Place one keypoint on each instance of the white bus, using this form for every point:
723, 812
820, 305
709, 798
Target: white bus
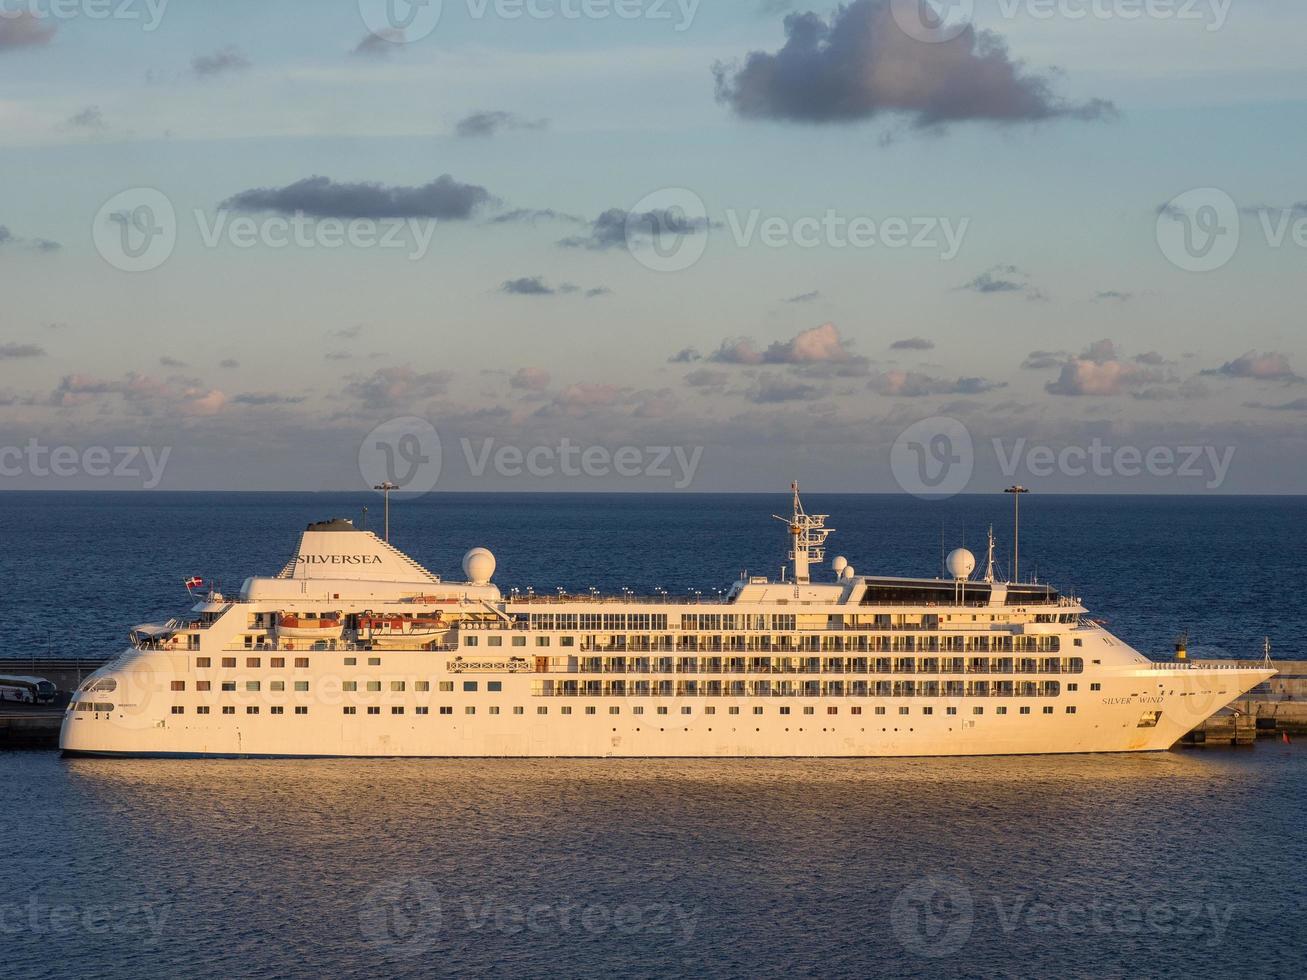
27, 690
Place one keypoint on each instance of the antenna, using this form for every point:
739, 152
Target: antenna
989, 562
808, 532
1016, 492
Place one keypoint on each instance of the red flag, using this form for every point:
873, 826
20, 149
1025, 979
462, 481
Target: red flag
194, 582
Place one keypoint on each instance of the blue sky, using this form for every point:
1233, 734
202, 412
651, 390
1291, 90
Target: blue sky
1058, 316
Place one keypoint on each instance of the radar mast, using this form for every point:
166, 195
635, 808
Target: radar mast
808, 534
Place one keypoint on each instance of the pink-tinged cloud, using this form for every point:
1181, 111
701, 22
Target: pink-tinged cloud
586, 396
23, 29
817, 345
530, 379
1270, 366
199, 402
912, 384
1101, 372
397, 387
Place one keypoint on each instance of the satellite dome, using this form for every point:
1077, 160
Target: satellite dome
839, 564
478, 566
847, 574
961, 563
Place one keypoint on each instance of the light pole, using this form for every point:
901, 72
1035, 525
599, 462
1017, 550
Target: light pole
385, 488
1016, 492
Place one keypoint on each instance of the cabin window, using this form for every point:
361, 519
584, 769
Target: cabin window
494, 641
422, 710
397, 710
202, 661
446, 711
277, 709
519, 711
1070, 709
177, 709
301, 685
276, 685
179, 685
374, 661
421, 685
374, 710
542, 641
252, 710
350, 710
493, 686
229, 685
349, 662
1048, 709
470, 641
251, 685
202, 685
228, 710
229, 661
202, 709
253, 662
349, 686
278, 661
301, 661
397, 685
469, 685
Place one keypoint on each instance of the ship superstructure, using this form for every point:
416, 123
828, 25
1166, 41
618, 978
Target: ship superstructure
355, 649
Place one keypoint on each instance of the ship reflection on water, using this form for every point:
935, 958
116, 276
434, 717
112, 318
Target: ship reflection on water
1075, 866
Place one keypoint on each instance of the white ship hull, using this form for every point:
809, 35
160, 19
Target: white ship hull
1106, 720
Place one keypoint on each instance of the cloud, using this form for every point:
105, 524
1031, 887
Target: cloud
171, 362
347, 333
490, 123
911, 384
771, 389
811, 297
860, 63
1151, 358
7, 237
261, 399
817, 345
397, 387
223, 60
380, 44
24, 29
444, 199
147, 394
530, 379
685, 355
1003, 279
532, 215
527, 286
581, 397
913, 343
598, 291
89, 118
616, 228
229, 362
1259, 367
707, 378
1297, 405
1100, 371
1112, 294
1041, 360
11, 351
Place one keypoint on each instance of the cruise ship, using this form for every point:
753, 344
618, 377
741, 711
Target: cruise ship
355, 649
